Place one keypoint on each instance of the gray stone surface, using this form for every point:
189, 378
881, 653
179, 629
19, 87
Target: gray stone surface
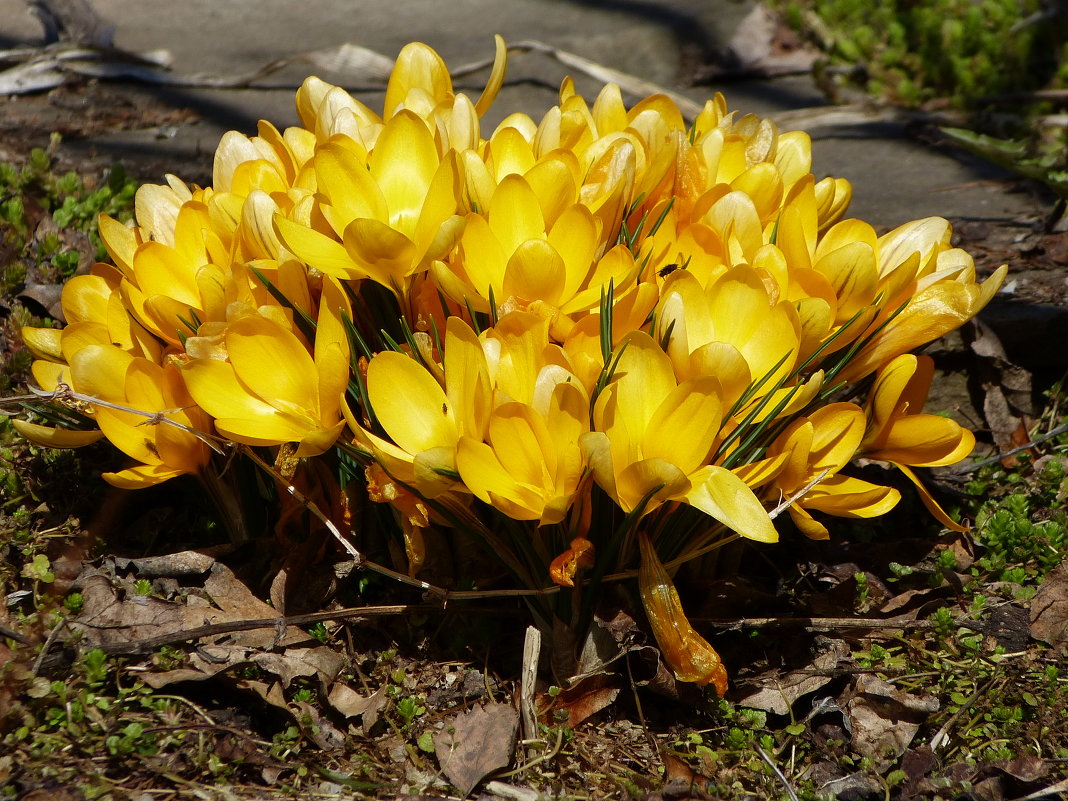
895, 178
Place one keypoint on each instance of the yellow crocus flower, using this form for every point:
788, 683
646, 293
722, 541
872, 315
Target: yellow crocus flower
899, 433
818, 447
164, 451
270, 390
652, 437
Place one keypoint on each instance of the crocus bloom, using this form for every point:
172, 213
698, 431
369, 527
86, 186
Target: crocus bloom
898, 432
270, 390
819, 446
652, 437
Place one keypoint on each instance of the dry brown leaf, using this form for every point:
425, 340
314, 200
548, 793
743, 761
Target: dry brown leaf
883, 719
1049, 608
1007, 401
47, 296
171, 565
352, 705
318, 727
107, 619
589, 696
475, 743
322, 662
778, 694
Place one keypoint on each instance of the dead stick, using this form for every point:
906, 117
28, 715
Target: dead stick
813, 623
152, 643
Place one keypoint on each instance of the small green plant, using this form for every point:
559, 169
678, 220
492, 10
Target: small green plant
409, 708
964, 51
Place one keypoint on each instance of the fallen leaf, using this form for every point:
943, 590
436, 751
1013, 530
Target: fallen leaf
322, 662
757, 46
47, 296
883, 719
1007, 402
588, 696
171, 565
1049, 608
778, 694
317, 727
352, 705
475, 743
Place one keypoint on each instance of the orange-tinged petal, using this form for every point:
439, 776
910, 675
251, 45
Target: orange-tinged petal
687, 653
565, 566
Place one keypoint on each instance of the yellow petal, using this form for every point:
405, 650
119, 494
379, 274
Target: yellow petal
931, 504
659, 476
317, 250
55, 437
409, 403
496, 79
845, 496
684, 426
272, 363
142, 476
43, 343
723, 495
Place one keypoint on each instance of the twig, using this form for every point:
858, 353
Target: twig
971, 468
801, 493
942, 735
149, 644
52, 635
14, 635
812, 623
528, 682
778, 773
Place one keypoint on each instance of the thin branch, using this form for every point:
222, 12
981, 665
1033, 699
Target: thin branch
813, 623
971, 468
149, 644
778, 773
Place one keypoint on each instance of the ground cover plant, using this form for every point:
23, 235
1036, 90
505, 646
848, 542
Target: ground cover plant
408, 373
